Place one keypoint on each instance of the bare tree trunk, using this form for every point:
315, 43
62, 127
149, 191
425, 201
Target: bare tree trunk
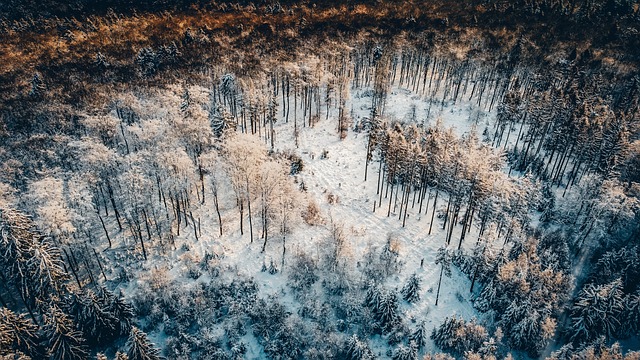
249, 206
433, 212
105, 229
439, 283
215, 202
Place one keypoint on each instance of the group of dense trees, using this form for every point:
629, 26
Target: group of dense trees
63, 321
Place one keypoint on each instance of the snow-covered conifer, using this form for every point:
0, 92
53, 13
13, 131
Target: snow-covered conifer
17, 333
358, 349
64, 342
411, 289
419, 336
140, 347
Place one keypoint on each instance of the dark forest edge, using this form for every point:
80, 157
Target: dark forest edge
62, 41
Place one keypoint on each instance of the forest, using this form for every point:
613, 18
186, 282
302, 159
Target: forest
350, 179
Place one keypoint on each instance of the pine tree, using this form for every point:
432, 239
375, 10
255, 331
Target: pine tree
64, 342
358, 350
222, 121
411, 290
372, 296
459, 336
119, 309
17, 355
140, 348
18, 334
148, 61
37, 86
405, 352
273, 269
387, 311
33, 264
100, 61
419, 336
632, 312
597, 311
185, 101
92, 315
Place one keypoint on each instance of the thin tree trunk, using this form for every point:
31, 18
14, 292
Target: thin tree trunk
99, 264
105, 229
439, 283
433, 212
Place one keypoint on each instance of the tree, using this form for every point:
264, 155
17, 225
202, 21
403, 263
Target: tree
221, 122
32, 263
387, 311
37, 86
525, 297
598, 311
274, 190
405, 352
212, 166
140, 348
64, 342
443, 258
18, 334
419, 336
93, 316
459, 336
411, 290
54, 217
119, 309
358, 349
244, 157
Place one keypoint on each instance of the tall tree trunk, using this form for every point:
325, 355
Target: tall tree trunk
105, 229
215, 202
249, 207
439, 283
433, 212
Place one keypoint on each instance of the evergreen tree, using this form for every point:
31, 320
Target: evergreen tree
358, 349
93, 317
32, 262
140, 348
37, 86
459, 336
387, 311
405, 352
18, 334
100, 61
632, 314
119, 309
148, 61
64, 342
597, 311
411, 290
419, 336
222, 121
